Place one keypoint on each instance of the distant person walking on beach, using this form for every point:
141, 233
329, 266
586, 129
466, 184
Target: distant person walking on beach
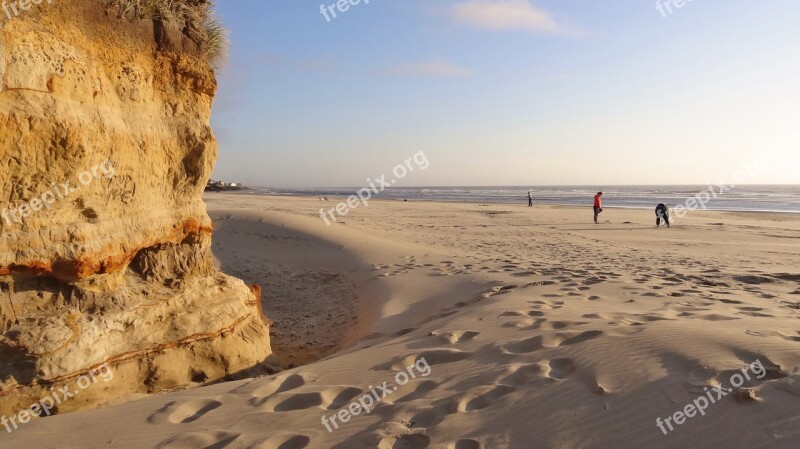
662, 213
530, 199
598, 205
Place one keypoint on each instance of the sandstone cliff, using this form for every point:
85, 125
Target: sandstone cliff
105, 148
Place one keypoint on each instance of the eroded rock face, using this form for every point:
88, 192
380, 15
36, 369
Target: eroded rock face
115, 266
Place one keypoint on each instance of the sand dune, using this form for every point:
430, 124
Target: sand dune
539, 329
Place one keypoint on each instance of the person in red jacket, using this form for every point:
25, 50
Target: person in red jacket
598, 205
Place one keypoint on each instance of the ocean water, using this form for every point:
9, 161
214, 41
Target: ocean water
768, 198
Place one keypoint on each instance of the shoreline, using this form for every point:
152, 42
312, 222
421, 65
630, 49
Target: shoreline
496, 203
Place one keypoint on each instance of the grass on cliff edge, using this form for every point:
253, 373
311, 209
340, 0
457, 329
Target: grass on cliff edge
195, 18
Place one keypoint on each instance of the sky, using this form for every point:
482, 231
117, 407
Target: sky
509, 92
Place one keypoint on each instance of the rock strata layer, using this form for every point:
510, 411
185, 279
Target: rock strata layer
105, 149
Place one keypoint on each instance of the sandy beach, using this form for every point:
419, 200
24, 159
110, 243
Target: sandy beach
516, 328
399, 225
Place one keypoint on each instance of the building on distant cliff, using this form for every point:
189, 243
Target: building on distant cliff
218, 186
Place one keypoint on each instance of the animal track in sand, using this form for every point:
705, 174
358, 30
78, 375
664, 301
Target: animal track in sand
199, 440
284, 441
184, 412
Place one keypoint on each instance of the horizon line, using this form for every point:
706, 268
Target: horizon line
530, 186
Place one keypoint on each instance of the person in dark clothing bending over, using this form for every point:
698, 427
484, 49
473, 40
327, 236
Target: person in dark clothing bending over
662, 213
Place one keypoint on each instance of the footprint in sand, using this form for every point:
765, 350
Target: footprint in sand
525, 346
465, 444
519, 375
548, 305
558, 325
432, 416
282, 384
716, 317
525, 324
329, 399
411, 392
184, 412
289, 402
510, 313
551, 341
432, 356
561, 369
789, 337
483, 397
283, 441
757, 314
583, 337
459, 337
199, 440
409, 441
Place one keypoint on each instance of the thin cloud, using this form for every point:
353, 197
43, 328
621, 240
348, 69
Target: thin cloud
517, 15
435, 67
